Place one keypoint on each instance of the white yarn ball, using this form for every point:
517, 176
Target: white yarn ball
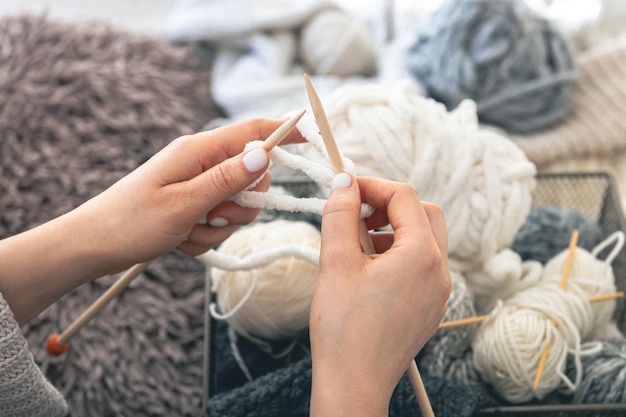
335, 43
280, 295
593, 275
481, 179
508, 346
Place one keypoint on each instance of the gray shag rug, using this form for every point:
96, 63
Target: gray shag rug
81, 106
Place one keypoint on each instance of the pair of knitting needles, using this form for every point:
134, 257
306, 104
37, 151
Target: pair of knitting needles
58, 344
366, 242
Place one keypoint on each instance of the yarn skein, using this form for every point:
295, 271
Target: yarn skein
515, 65
508, 345
272, 302
593, 275
546, 231
481, 180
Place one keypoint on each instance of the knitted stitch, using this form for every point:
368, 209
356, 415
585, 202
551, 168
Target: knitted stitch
24, 391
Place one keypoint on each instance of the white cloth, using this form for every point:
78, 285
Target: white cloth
227, 20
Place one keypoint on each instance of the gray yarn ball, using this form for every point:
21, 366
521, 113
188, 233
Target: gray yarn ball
447, 345
516, 67
604, 375
547, 231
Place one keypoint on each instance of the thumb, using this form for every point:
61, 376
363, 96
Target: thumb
230, 176
340, 222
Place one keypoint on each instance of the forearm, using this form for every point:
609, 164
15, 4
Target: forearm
41, 265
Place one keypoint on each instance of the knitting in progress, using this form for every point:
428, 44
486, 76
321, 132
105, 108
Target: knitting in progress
516, 66
481, 180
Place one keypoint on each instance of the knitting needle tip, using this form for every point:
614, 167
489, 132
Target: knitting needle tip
54, 348
281, 133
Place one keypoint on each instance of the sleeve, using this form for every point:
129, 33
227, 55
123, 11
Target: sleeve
24, 390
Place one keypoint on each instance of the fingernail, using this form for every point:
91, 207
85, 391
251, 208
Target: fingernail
255, 160
341, 180
218, 222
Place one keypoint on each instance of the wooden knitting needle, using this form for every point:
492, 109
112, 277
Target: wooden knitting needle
58, 344
479, 319
366, 242
563, 284
281, 133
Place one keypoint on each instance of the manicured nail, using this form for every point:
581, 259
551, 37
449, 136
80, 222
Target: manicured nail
218, 222
255, 160
341, 180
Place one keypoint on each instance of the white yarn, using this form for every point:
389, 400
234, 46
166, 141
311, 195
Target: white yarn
508, 275
509, 344
321, 173
271, 301
334, 42
593, 275
482, 181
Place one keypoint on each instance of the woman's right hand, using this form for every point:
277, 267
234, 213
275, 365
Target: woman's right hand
371, 314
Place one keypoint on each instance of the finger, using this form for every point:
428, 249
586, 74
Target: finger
208, 236
404, 209
382, 240
340, 221
438, 226
191, 249
230, 140
230, 213
225, 179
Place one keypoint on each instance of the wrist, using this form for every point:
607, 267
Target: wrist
342, 391
39, 266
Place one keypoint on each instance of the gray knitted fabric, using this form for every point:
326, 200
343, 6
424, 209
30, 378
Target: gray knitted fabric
24, 391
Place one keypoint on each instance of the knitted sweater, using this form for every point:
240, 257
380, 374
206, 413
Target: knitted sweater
24, 391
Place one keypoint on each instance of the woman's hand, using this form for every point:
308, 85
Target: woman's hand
157, 207
371, 314
178, 197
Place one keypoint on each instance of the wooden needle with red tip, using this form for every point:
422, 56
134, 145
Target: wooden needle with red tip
57, 344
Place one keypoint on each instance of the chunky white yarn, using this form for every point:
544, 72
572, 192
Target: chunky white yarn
509, 344
334, 42
321, 173
271, 301
594, 276
482, 181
